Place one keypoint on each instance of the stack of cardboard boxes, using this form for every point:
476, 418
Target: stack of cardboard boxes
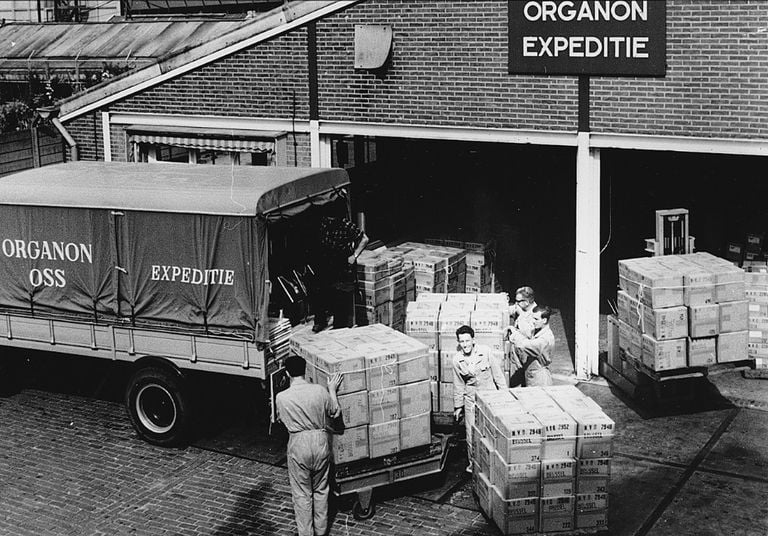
542, 459
678, 311
385, 284
478, 264
756, 278
385, 395
438, 269
433, 320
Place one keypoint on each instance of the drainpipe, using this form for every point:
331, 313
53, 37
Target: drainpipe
51, 112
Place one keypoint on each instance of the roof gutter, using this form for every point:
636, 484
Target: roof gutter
278, 22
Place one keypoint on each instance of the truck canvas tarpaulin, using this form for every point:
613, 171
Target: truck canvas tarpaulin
166, 245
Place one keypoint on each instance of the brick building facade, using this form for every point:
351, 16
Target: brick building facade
446, 95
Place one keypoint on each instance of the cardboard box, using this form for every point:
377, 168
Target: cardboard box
395, 286
595, 431
384, 438
517, 480
557, 488
702, 352
371, 267
592, 520
421, 320
383, 405
703, 320
351, 445
482, 454
483, 490
446, 397
553, 470
754, 242
698, 282
415, 399
556, 513
514, 516
446, 365
354, 409
415, 431
376, 292
591, 502
350, 363
732, 346
629, 308
519, 438
559, 434
592, 484
381, 367
594, 468
653, 284
412, 362
664, 355
668, 323
556, 523
434, 365
734, 316
630, 340
434, 387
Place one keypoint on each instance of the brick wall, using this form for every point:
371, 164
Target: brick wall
449, 67
86, 130
717, 77
259, 82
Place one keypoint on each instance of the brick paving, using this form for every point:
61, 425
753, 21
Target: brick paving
73, 465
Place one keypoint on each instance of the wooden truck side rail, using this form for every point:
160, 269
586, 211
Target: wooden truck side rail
126, 343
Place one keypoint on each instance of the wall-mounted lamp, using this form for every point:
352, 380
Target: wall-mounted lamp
48, 112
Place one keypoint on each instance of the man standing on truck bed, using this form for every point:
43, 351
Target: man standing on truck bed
340, 244
304, 408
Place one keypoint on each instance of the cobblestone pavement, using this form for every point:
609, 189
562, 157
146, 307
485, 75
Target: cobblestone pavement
73, 465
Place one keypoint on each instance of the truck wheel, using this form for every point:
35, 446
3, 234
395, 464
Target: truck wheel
157, 405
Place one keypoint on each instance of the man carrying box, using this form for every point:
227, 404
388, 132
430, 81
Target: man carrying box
340, 244
535, 352
473, 370
304, 408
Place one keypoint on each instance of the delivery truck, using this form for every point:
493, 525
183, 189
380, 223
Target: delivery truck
164, 266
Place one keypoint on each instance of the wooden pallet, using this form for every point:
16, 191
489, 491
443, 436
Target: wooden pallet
654, 388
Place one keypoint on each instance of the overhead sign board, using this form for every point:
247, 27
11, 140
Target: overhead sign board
599, 37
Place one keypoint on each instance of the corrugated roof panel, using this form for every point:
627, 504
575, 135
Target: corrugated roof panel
107, 40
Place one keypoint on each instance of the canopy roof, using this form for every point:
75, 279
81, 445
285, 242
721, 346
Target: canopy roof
184, 188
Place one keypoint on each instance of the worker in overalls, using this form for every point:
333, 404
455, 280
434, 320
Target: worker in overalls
474, 369
306, 409
535, 350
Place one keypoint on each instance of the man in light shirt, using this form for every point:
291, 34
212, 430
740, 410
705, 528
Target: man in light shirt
522, 320
474, 369
305, 409
535, 352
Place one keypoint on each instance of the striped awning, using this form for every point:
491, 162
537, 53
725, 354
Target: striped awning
254, 145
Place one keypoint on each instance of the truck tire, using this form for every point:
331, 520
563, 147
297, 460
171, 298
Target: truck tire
158, 406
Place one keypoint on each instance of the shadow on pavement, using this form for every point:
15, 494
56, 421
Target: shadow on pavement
251, 512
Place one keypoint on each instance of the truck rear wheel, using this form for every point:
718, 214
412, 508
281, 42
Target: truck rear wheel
158, 407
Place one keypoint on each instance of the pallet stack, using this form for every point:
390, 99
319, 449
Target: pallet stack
679, 311
384, 283
433, 320
385, 395
542, 459
479, 277
756, 278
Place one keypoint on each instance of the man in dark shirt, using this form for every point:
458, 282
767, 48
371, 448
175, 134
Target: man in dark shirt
340, 243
